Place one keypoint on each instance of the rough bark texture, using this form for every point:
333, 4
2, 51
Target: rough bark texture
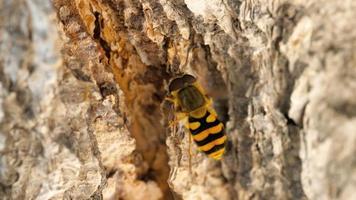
82, 84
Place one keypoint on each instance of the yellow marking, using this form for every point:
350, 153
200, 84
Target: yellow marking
211, 118
194, 125
211, 110
198, 113
204, 134
218, 154
210, 145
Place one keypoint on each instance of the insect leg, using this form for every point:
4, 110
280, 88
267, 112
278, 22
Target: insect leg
190, 154
177, 118
170, 99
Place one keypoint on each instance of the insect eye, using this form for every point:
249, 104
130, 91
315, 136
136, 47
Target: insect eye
181, 82
176, 84
187, 78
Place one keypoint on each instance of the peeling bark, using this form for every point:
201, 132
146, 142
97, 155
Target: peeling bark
82, 87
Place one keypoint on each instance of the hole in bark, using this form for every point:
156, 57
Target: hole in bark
290, 121
149, 175
143, 93
110, 173
222, 108
107, 88
97, 34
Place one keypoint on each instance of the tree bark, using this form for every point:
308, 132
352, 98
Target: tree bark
82, 87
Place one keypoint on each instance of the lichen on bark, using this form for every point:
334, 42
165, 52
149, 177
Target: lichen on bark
82, 87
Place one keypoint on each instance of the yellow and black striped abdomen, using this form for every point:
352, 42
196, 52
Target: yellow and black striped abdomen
208, 133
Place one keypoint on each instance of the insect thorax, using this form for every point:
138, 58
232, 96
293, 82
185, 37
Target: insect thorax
190, 98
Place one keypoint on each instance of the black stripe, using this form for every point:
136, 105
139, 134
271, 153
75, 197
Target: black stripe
215, 148
203, 124
210, 138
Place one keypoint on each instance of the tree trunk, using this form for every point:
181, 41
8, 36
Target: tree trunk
82, 87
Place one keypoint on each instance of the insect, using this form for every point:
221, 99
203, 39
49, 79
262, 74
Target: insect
191, 103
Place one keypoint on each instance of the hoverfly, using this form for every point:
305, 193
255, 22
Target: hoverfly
191, 102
